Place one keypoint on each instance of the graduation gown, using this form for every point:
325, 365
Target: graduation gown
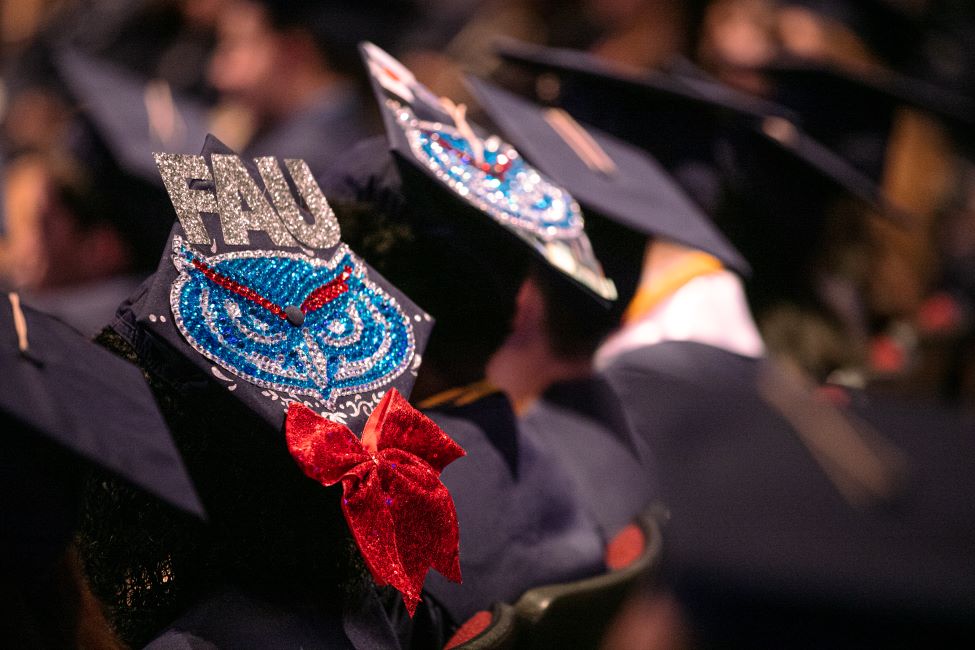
763, 548
521, 523
233, 618
582, 423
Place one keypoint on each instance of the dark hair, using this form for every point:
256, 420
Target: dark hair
450, 273
575, 323
270, 528
447, 256
338, 26
97, 191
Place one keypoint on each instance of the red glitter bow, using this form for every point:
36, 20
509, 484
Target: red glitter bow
400, 513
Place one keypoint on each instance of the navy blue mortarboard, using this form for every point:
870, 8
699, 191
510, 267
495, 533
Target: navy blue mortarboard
120, 120
481, 174
66, 405
688, 120
256, 291
133, 116
768, 185
852, 111
608, 176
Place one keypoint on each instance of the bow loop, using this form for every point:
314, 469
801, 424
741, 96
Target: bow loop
328, 450
400, 513
405, 428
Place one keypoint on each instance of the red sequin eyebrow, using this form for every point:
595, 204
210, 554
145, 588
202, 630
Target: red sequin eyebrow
236, 287
326, 293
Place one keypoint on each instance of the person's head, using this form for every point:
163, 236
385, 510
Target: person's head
572, 323
275, 56
457, 265
87, 219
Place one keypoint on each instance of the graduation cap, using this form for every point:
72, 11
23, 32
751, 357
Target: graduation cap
121, 119
256, 290
608, 176
482, 174
68, 404
767, 184
852, 111
689, 118
133, 116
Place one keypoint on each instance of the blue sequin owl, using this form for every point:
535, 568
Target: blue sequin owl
293, 323
494, 178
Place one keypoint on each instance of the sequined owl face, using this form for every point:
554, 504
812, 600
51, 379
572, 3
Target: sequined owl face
494, 178
292, 323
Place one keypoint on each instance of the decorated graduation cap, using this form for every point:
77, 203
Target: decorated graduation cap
257, 291
483, 173
70, 405
610, 177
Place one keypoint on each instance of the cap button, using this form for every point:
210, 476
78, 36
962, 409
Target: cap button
294, 315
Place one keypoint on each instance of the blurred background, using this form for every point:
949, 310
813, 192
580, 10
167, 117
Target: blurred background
90, 88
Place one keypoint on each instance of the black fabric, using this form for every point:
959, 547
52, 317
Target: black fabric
40, 483
584, 425
272, 533
233, 619
762, 548
522, 524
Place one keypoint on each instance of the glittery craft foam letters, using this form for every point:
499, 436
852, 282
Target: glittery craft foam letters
241, 205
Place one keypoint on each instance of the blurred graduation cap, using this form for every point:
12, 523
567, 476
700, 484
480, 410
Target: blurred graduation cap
852, 111
685, 118
256, 291
481, 175
765, 553
767, 184
66, 405
133, 116
121, 119
608, 176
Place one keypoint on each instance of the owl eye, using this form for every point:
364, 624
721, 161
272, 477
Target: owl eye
251, 326
341, 330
